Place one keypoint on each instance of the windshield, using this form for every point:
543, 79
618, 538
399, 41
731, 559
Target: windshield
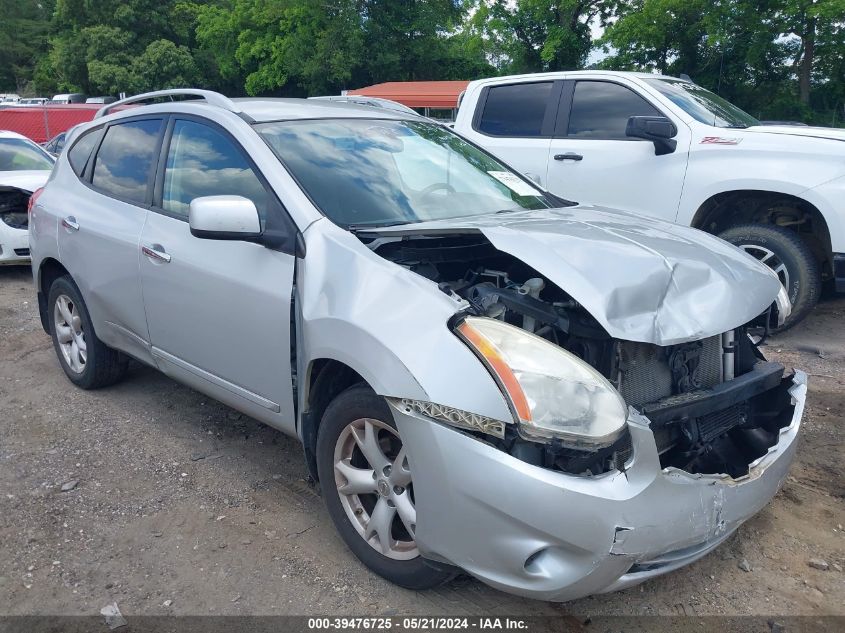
366, 172
703, 105
17, 154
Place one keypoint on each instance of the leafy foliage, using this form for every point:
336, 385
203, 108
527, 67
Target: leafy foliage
778, 59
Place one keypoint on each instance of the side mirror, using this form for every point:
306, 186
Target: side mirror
657, 129
224, 218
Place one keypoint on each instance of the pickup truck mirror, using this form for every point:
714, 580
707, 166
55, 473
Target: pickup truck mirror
224, 218
657, 129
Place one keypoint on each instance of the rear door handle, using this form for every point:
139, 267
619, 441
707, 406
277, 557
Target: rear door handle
70, 223
569, 156
156, 252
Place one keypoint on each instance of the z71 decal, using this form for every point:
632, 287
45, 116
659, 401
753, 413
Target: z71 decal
719, 140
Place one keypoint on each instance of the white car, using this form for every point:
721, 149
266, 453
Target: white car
24, 167
775, 191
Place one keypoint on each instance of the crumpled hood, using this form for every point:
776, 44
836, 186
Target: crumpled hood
829, 133
28, 180
642, 279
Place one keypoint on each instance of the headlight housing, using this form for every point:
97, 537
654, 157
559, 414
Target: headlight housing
552, 393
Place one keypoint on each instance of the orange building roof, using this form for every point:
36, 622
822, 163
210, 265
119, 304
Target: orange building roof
417, 94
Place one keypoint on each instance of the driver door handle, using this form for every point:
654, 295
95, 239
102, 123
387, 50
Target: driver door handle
569, 156
156, 252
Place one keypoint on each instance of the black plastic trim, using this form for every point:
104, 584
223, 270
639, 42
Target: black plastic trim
764, 376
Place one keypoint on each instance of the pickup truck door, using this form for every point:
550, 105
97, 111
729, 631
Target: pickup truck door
218, 311
590, 159
515, 122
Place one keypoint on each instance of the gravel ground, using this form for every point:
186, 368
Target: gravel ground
180, 505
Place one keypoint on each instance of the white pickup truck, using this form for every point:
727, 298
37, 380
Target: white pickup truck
666, 147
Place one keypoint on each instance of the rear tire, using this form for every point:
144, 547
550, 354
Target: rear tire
791, 259
88, 362
391, 551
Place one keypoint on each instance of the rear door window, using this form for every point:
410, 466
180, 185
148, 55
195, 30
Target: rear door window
125, 160
516, 110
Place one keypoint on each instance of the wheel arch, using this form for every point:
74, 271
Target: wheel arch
726, 209
48, 271
324, 380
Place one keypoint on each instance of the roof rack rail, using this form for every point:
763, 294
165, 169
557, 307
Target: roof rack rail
210, 97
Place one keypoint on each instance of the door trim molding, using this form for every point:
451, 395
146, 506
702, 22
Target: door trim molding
161, 355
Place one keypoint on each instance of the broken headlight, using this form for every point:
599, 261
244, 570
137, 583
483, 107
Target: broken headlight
552, 393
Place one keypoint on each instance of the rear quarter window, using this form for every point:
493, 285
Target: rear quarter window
80, 152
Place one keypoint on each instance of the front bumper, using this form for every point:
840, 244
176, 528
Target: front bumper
551, 536
14, 245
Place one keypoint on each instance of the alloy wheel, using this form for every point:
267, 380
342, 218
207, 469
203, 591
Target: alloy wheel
69, 333
373, 481
768, 257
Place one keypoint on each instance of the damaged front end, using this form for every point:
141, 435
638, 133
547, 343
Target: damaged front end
714, 404
14, 222
657, 453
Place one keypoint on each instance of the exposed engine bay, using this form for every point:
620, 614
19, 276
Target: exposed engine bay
13, 207
715, 405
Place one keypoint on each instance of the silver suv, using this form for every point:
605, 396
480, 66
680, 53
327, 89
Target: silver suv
557, 399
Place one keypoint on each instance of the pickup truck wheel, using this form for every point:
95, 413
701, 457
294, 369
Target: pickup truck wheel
789, 257
368, 488
86, 360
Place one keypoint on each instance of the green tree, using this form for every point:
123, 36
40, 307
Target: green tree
270, 43
23, 35
538, 35
98, 47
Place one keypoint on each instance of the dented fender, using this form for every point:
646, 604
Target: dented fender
388, 324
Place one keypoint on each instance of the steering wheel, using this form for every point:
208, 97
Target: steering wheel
437, 186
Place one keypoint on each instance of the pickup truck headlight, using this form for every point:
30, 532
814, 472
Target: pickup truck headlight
552, 393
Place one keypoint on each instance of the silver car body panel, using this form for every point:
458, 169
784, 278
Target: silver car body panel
657, 283
551, 536
211, 289
522, 528
103, 254
388, 324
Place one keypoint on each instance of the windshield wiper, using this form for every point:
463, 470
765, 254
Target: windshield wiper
366, 227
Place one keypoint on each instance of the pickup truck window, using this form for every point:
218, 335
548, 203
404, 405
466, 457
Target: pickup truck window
701, 104
516, 109
601, 109
370, 172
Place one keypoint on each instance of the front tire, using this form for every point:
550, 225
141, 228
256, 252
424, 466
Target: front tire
789, 257
368, 489
86, 360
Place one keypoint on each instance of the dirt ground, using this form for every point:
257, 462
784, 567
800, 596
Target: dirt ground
183, 506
